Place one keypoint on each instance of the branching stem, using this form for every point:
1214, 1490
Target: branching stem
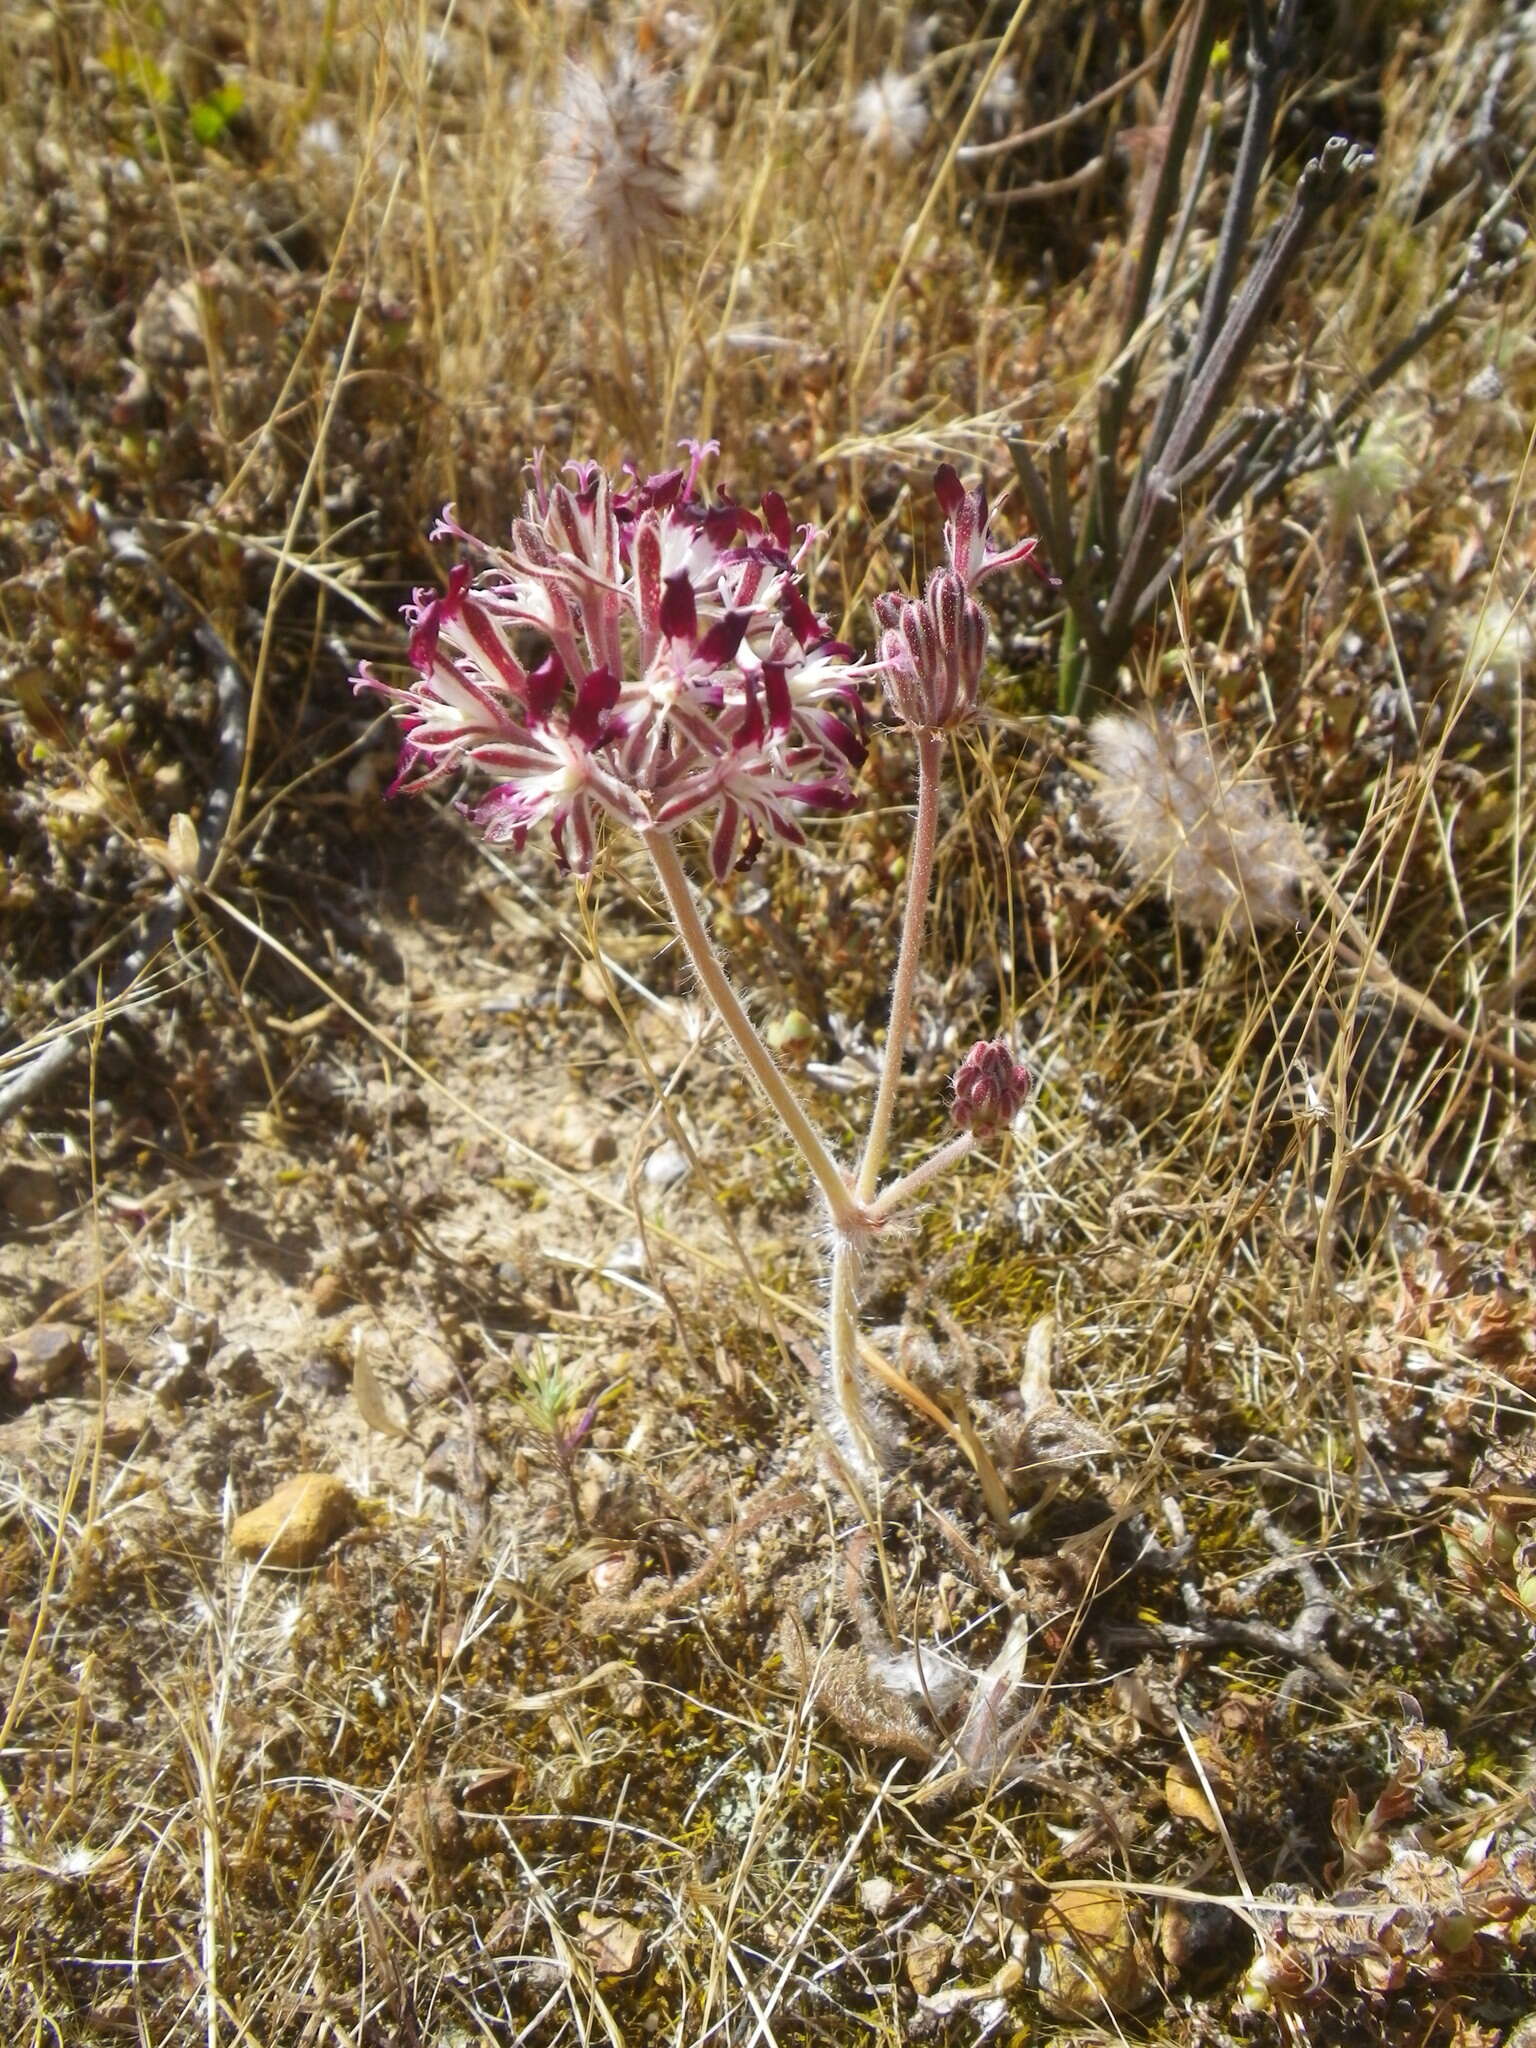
828, 1175
903, 990
898, 1193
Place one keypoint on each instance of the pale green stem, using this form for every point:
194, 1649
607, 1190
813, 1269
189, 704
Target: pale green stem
900, 1192
828, 1175
930, 746
843, 1344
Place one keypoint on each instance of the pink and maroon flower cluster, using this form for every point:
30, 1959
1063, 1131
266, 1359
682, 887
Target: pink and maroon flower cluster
681, 672
646, 654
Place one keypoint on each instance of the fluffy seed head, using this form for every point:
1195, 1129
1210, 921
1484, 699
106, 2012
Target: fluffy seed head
890, 115
1187, 820
609, 183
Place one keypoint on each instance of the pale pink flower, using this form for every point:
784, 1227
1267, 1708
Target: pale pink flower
684, 676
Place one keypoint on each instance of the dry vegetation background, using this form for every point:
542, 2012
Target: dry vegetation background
377, 1155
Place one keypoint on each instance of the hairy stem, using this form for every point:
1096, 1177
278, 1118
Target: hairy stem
914, 920
760, 1062
843, 1345
899, 1192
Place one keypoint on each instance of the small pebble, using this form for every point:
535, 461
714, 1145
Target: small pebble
327, 1293
29, 1193
667, 1165
928, 1951
45, 1358
1091, 1956
292, 1527
627, 1257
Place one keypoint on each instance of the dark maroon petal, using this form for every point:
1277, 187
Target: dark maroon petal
722, 523
751, 847
544, 686
431, 610
722, 841
776, 692
824, 796
662, 490
589, 481
402, 785
835, 735
749, 736
596, 695
801, 620
488, 642
720, 643
679, 608
557, 840
948, 489
421, 648
776, 519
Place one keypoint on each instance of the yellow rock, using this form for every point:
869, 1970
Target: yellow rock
1185, 1794
928, 1953
1091, 1954
292, 1527
615, 1947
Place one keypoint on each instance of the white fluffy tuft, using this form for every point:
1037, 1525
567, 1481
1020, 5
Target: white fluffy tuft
1188, 821
889, 115
610, 185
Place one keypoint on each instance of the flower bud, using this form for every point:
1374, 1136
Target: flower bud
932, 652
990, 1088
793, 1037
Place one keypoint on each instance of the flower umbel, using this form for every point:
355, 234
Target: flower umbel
933, 647
932, 651
641, 655
684, 675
